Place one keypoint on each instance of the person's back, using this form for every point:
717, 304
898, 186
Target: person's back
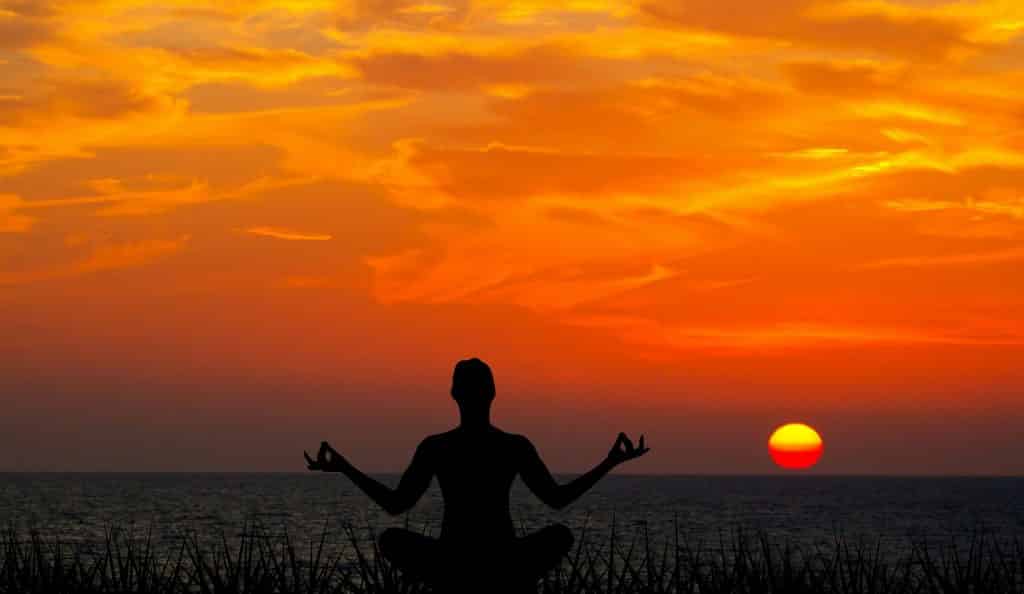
476, 464
475, 470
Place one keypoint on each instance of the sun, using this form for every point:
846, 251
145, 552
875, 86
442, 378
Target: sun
795, 446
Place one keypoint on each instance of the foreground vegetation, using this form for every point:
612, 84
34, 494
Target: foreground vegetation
258, 562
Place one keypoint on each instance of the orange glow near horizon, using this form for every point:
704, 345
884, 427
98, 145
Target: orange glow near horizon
795, 446
733, 210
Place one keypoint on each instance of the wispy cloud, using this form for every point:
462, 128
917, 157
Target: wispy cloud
12, 221
969, 259
790, 335
287, 234
101, 257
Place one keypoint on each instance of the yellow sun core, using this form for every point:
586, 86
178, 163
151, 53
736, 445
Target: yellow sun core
795, 446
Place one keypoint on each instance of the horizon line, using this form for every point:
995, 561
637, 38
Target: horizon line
789, 474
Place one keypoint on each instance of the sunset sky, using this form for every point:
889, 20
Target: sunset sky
229, 230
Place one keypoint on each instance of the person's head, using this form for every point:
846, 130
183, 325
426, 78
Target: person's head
473, 385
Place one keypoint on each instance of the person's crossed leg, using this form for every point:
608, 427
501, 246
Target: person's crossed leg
514, 566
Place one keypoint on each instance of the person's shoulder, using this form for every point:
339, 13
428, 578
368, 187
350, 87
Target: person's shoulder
435, 440
440, 437
516, 440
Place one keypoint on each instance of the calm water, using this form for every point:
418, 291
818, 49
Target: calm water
803, 509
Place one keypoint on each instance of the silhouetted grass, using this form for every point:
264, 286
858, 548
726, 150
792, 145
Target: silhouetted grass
258, 562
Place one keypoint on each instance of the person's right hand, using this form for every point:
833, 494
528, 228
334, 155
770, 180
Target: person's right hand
327, 459
626, 452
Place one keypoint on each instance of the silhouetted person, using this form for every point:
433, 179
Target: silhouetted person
475, 464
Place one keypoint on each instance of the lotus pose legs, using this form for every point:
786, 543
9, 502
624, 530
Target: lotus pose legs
513, 566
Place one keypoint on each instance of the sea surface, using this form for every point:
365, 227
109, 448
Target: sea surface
891, 512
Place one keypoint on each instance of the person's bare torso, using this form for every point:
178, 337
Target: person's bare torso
475, 469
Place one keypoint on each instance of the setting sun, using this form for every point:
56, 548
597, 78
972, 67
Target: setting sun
795, 446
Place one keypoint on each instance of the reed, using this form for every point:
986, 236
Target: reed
346, 562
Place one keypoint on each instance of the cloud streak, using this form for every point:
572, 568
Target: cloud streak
288, 235
11, 220
101, 257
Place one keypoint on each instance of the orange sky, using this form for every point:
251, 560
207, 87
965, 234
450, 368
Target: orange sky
227, 232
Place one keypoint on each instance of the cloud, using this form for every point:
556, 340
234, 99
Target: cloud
464, 71
102, 257
351, 221
498, 172
29, 8
77, 98
167, 68
786, 336
226, 97
69, 242
714, 95
414, 14
991, 212
970, 192
127, 255
18, 34
579, 216
561, 288
971, 259
263, 65
847, 79
107, 171
722, 119
287, 234
699, 221
25, 23
878, 27
11, 221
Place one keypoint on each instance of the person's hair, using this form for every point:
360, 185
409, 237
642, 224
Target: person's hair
472, 379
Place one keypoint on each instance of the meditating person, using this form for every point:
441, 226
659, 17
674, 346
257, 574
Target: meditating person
475, 464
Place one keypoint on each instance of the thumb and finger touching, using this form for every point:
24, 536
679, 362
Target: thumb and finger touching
625, 449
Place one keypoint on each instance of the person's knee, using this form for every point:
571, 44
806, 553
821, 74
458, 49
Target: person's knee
390, 543
561, 537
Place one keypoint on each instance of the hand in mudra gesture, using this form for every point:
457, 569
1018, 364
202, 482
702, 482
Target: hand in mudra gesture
327, 459
623, 450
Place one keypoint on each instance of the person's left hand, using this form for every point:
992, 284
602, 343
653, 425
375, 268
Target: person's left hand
327, 459
626, 452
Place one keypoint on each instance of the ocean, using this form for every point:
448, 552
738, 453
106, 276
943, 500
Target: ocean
803, 510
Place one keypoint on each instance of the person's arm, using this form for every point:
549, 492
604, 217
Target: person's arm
539, 480
413, 484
